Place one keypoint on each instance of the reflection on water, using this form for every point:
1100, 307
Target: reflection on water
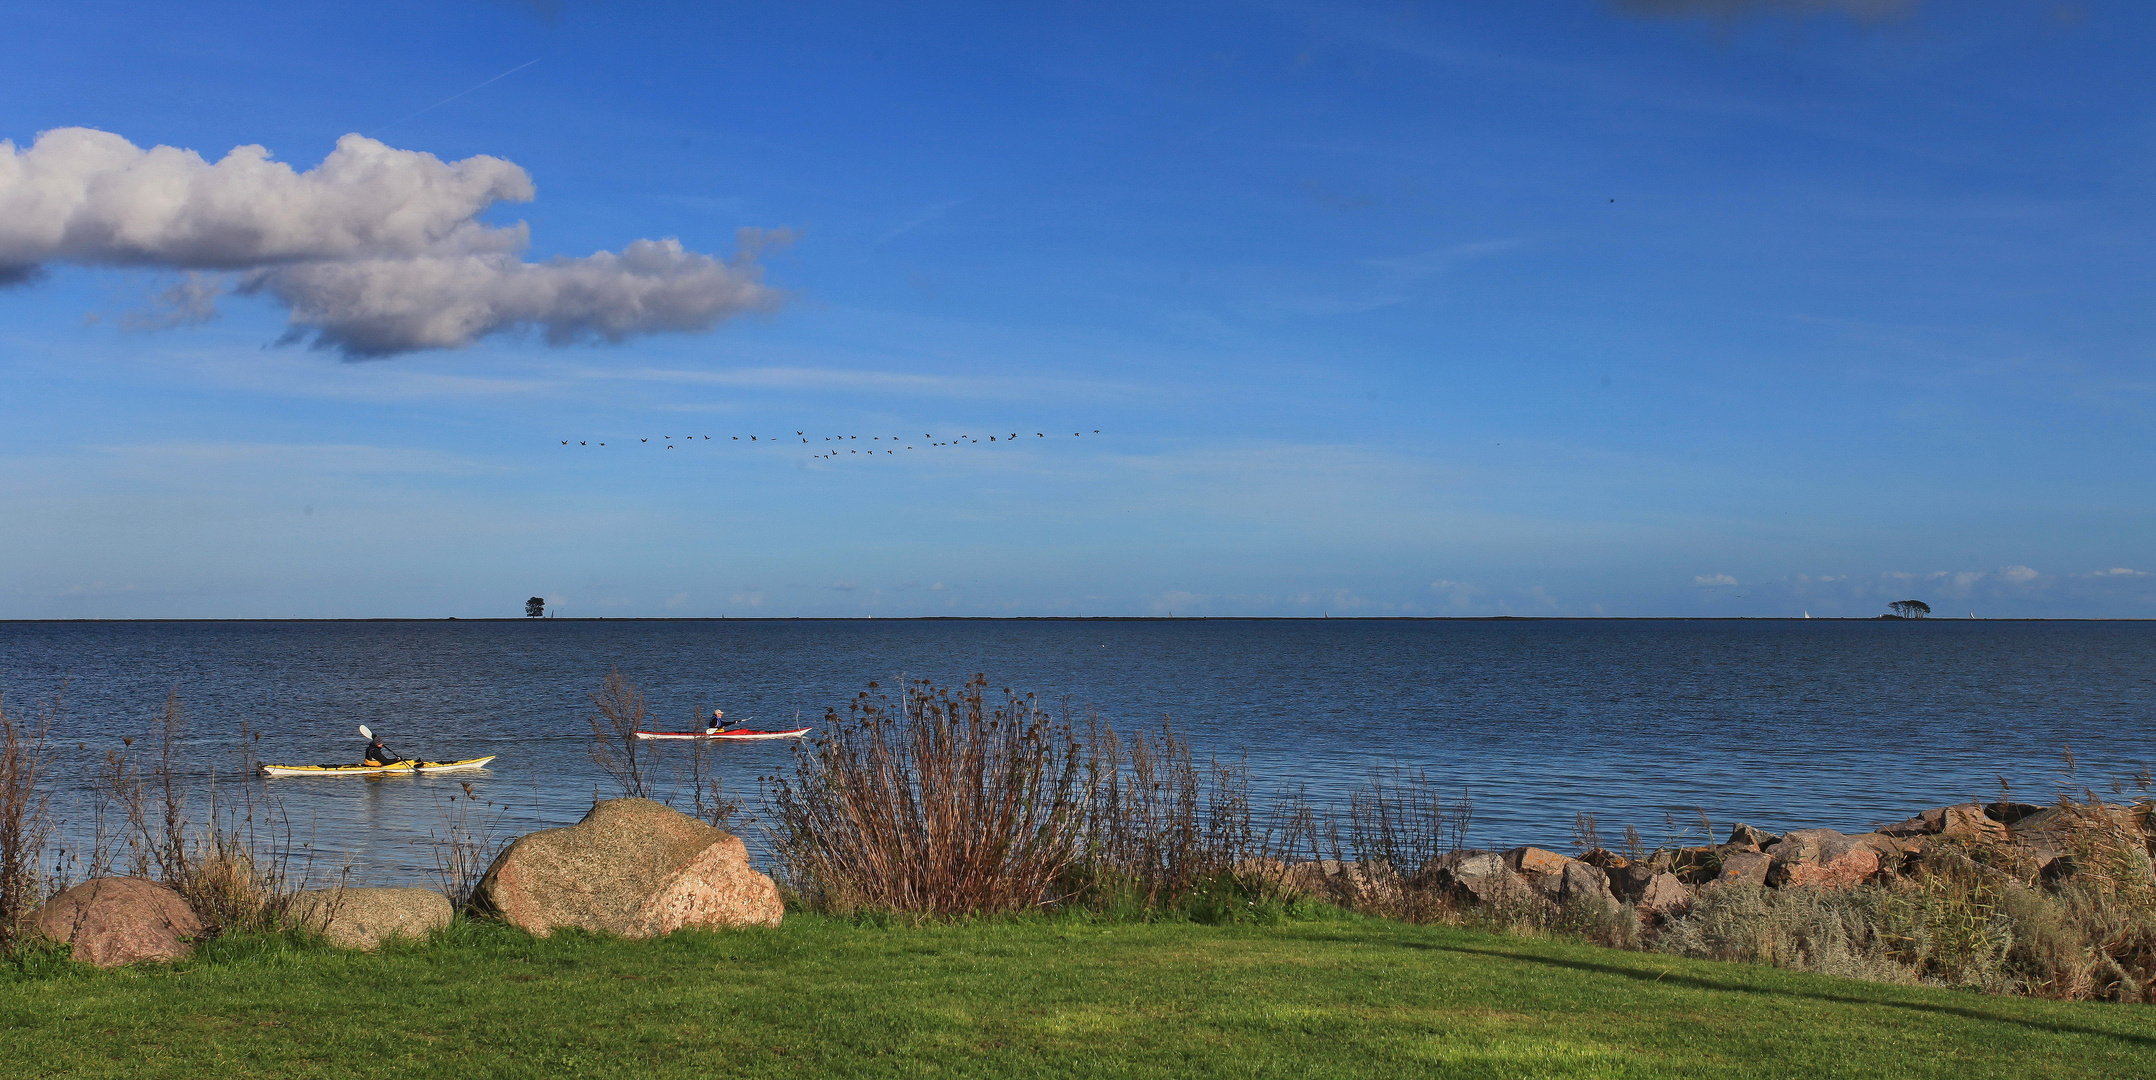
1774, 722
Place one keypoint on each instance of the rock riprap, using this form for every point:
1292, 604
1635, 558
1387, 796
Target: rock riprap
632, 867
112, 921
365, 918
2043, 840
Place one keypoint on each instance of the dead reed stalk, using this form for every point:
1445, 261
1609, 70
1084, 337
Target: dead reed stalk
25, 813
1160, 825
707, 794
464, 843
234, 866
618, 714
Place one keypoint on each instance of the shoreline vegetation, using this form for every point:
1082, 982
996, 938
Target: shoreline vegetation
920, 805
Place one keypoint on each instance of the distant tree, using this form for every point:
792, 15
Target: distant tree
1910, 609
534, 607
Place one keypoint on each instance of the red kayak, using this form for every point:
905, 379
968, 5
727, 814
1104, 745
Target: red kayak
741, 735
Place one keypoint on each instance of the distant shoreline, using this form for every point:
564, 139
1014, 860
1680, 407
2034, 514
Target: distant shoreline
1099, 618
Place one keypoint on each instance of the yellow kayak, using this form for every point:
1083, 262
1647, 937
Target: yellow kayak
376, 770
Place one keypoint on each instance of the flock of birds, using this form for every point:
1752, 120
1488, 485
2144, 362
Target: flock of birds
890, 444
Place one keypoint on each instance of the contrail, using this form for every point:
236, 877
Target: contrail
453, 97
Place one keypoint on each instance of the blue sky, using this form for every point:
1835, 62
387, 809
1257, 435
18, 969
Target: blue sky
1663, 308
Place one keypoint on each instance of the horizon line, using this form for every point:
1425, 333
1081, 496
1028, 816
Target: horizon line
1094, 618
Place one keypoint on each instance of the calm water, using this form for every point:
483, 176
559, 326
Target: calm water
1774, 722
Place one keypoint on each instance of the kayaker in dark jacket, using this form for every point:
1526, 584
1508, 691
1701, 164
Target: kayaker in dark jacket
718, 722
377, 754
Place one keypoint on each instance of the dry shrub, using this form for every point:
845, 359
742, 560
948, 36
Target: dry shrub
1835, 932
707, 794
234, 865
617, 715
25, 813
2090, 930
937, 803
464, 841
1376, 854
1161, 828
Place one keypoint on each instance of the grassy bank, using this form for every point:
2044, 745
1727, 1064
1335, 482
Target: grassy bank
1346, 997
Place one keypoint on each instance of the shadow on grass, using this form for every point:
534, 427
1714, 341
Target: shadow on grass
1703, 983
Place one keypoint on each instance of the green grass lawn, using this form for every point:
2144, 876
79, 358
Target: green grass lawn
823, 998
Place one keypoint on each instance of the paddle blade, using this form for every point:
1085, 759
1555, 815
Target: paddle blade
364, 733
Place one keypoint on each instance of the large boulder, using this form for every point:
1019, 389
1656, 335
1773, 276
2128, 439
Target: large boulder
120, 920
632, 867
1823, 858
365, 918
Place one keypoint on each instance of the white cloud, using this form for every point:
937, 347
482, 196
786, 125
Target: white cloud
375, 251
2120, 571
2018, 574
379, 307
86, 196
1714, 579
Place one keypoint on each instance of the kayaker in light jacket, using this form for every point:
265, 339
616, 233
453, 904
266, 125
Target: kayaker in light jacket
377, 754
